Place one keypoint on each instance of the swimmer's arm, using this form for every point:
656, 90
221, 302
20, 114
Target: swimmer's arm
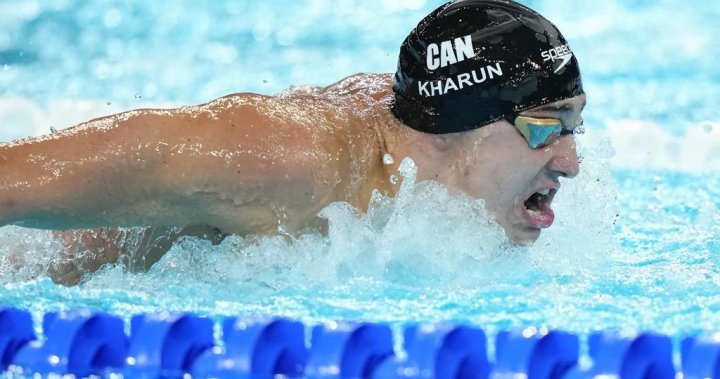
242, 164
85, 251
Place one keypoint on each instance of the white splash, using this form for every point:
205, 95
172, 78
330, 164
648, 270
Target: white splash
426, 234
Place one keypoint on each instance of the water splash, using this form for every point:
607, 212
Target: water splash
24, 253
428, 254
427, 234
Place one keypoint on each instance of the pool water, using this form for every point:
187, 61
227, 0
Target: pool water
637, 233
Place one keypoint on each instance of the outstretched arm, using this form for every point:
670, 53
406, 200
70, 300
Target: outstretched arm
243, 164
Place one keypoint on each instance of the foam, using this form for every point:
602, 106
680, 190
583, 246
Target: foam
426, 235
428, 254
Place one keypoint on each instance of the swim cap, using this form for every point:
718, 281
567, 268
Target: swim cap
472, 62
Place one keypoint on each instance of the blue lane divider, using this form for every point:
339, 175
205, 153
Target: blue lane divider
166, 345
83, 343
701, 357
629, 356
78, 342
16, 330
535, 354
348, 350
262, 347
441, 351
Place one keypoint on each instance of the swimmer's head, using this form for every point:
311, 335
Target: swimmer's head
473, 62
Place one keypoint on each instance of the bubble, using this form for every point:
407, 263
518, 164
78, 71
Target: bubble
138, 96
408, 169
394, 179
388, 159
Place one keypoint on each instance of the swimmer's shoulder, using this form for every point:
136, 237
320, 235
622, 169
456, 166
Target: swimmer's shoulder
329, 135
354, 94
299, 128
329, 116
372, 85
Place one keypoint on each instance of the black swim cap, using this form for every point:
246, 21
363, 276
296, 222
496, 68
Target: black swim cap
472, 62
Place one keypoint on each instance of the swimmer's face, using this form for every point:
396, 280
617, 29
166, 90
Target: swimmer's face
518, 183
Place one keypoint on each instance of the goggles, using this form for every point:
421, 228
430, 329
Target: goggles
540, 131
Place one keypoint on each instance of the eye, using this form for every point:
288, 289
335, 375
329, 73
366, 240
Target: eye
551, 139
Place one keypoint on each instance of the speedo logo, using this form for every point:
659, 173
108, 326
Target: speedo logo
561, 52
449, 52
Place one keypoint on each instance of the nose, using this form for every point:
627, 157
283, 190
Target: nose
564, 161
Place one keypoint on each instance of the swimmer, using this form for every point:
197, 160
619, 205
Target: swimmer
486, 99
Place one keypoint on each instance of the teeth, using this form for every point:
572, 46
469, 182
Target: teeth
545, 192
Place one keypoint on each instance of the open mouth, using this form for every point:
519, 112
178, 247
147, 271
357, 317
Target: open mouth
537, 211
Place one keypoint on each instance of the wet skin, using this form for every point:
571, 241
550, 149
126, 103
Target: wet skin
247, 164
495, 163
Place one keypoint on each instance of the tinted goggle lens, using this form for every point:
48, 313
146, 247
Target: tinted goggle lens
539, 132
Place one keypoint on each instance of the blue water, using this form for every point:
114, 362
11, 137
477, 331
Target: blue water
637, 233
